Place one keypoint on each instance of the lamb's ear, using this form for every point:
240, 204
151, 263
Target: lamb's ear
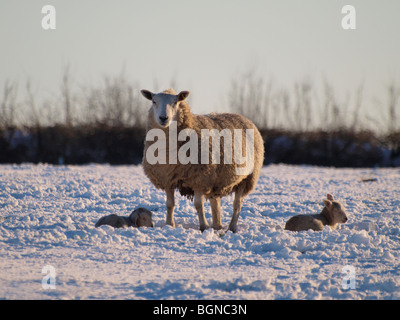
147, 94
329, 197
327, 203
183, 95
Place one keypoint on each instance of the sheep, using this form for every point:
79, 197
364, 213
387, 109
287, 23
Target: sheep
332, 214
139, 217
203, 177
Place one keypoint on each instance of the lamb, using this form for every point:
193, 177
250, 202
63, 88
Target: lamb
332, 214
198, 179
139, 217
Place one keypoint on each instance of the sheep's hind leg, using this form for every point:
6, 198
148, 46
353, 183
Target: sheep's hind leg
198, 204
216, 212
170, 207
237, 206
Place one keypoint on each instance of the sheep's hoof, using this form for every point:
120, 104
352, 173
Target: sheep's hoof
217, 227
202, 228
172, 224
233, 229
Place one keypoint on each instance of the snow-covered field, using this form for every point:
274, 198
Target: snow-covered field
47, 217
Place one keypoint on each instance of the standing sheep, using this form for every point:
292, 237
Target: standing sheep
202, 175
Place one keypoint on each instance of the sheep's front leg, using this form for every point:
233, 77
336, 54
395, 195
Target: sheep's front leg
170, 207
198, 204
216, 212
237, 206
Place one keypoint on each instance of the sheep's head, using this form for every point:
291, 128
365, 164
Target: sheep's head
336, 211
165, 105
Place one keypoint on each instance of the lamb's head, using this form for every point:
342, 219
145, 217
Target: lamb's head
336, 212
165, 105
141, 217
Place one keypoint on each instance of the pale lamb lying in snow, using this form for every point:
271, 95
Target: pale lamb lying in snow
331, 215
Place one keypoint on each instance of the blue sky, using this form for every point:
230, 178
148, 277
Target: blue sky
203, 45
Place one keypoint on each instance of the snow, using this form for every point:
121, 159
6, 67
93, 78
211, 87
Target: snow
48, 213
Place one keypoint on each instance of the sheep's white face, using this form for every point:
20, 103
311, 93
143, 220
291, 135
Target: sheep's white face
165, 106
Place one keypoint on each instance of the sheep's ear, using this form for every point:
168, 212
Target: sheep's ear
329, 197
327, 203
183, 95
147, 94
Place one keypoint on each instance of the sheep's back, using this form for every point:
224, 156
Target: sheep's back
210, 179
304, 222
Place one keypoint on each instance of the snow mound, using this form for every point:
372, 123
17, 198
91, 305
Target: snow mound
48, 213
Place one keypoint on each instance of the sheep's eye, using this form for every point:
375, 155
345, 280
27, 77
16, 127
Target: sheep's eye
154, 102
